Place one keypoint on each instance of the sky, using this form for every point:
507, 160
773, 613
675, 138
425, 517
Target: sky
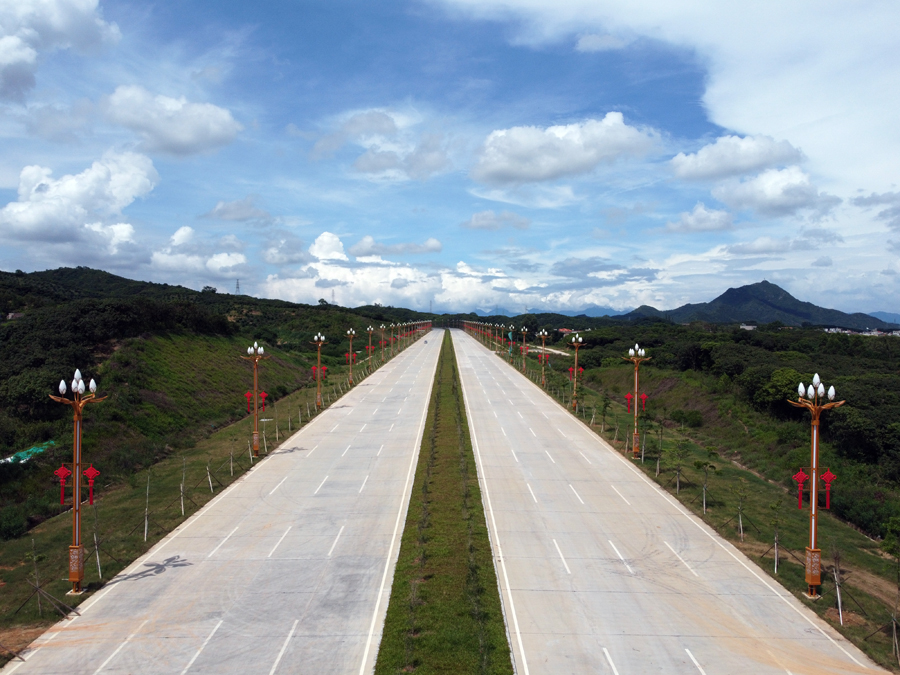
457, 155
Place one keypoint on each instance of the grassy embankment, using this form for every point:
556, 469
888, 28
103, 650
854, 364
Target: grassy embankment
746, 489
186, 382
444, 614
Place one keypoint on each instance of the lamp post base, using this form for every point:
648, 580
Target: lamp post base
636, 446
256, 444
813, 571
76, 569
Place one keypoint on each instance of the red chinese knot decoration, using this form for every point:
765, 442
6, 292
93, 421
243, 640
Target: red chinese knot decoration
249, 396
644, 398
263, 395
91, 473
628, 398
828, 477
62, 473
801, 478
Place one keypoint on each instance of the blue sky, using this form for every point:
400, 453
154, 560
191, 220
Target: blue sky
521, 154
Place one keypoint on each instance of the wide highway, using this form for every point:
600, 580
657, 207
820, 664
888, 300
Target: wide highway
600, 571
287, 571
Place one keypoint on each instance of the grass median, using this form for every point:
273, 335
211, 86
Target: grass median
444, 614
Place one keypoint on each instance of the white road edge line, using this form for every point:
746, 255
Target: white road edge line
503, 430
631, 571
496, 535
609, 660
400, 512
513, 454
620, 494
551, 458
320, 485
702, 672
681, 559
363, 427
345, 451
532, 432
585, 457
280, 539
576, 494
119, 648
313, 450
278, 486
379, 450
568, 571
363, 485
284, 647
333, 428
532, 492
208, 638
335, 541
222, 542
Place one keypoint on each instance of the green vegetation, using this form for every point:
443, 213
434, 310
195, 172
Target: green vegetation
444, 614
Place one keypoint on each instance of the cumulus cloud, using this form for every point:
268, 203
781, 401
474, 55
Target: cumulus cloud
808, 240
600, 43
29, 28
367, 246
776, 192
361, 124
328, 246
418, 162
732, 156
187, 255
531, 154
239, 210
582, 267
891, 215
702, 219
171, 125
488, 220
56, 210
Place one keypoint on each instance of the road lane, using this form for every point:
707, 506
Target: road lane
288, 570
603, 572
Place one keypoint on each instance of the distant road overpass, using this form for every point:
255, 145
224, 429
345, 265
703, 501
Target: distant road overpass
603, 572
288, 570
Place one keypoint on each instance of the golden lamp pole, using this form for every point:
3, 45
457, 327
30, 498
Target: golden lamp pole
78, 401
636, 356
370, 330
543, 335
524, 333
812, 399
392, 339
351, 334
576, 343
255, 354
382, 343
318, 340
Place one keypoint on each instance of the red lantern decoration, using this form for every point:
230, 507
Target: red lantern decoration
62, 473
644, 401
263, 395
91, 474
249, 396
828, 477
628, 398
801, 478
571, 370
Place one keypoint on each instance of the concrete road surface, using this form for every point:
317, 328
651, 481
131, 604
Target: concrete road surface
601, 571
287, 571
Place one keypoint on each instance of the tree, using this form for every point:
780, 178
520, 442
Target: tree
677, 455
705, 465
208, 289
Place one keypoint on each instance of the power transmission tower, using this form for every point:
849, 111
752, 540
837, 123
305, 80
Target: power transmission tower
237, 287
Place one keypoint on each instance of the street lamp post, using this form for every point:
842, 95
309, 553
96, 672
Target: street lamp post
382, 342
576, 343
255, 354
636, 356
524, 333
351, 334
812, 399
78, 401
318, 340
543, 335
392, 340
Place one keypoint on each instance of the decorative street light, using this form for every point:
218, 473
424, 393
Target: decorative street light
524, 333
318, 340
576, 343
511, 338
351, 334
78, 401
636, 356
543, 335
370, 330
392, 339
812, 398
382, 342
255, 354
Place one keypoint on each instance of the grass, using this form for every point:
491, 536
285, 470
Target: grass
444, 614
757, 498
118, 516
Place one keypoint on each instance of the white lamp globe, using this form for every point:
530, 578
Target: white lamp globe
801, 390
255, 345
81, 386
810, 393
77, 375
250, 350
93, 386
816, 380
630, 352
831, 393
62, 387
262, 351
821, 390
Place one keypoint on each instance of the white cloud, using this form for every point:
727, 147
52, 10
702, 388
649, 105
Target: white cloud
776, 192
488, 220
531, 154
328, 246
182, 236
701, 219
29, 28
733, 155
221, 263
824, 261
283, 249
600, 43
417, 162
367, 246
114, 235
240, 210
185, 255
50, 209
171, 125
